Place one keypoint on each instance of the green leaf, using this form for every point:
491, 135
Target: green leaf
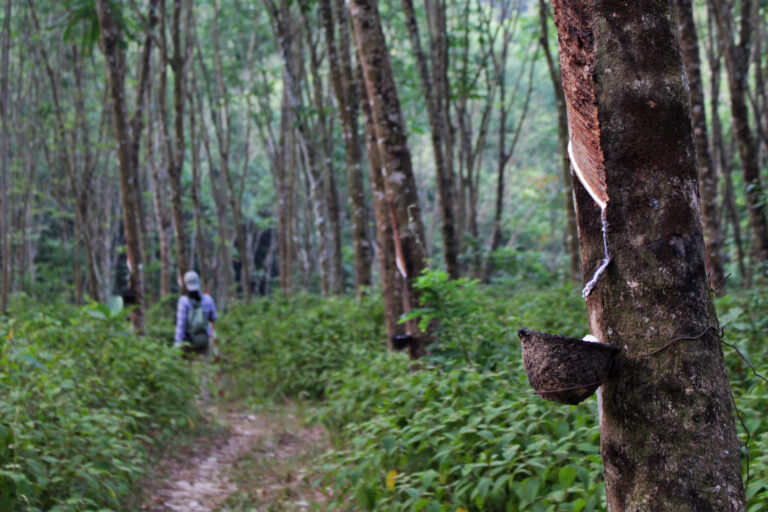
115, 305
566, 476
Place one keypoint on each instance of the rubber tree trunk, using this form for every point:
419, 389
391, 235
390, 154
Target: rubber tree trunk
345, 88
668, 434
391, 281
710, 212
434, 87
177, 162
389, 125
111, 45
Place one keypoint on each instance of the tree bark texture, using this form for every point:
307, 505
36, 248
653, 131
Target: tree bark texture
710, 212
668, 434
110, 38
736, 58
394, 154
391, 280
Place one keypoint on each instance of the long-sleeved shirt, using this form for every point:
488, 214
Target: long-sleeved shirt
182, 315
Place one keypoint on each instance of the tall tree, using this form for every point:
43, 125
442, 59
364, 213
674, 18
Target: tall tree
720, 157
5, 247
391, 279
128, 137
222, 122
394, 155
286, 36
504, 151
710, 212
345, 88
736, 56
434, 83
571, 232
176, 155
325, 141
668, 433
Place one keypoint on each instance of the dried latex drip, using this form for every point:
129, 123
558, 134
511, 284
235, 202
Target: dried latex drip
606, 258
590, 286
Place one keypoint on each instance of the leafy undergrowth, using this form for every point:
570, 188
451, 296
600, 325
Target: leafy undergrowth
288, 348
80, 400
464, 433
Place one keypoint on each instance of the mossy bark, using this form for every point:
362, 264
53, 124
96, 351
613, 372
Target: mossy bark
668, 434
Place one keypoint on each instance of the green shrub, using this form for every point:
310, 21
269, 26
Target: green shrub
438, 440
288, 348
478, 324
744, 319
465, 431
79, 400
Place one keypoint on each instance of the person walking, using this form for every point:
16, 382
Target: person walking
195, 318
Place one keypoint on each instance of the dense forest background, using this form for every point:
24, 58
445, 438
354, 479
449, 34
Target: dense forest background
228, 164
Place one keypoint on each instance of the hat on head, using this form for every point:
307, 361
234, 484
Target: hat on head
192, 281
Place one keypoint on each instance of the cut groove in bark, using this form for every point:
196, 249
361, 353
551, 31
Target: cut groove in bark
577, 68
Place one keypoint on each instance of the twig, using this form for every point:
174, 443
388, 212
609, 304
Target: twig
744, 426
745, 360
684, 338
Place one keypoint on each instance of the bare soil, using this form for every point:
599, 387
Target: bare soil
256, 461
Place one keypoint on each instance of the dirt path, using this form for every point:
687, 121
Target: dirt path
257, 461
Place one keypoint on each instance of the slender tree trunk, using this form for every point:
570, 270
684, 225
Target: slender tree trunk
571, 233
737, 63
5, 256
434, 87
83, 193
328, 179
177, 160
159, 176
504, 153
195, 192
285, 34
223, 131
395, 157
111, 41
707, 172
347, 97
722, 164
222, 222
668, 433
391, 280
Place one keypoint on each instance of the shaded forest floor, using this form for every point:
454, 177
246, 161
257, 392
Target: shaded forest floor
245, 460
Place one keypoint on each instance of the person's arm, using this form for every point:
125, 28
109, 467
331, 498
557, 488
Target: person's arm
181, 321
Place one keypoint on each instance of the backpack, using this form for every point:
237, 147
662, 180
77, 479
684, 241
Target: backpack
197, 326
